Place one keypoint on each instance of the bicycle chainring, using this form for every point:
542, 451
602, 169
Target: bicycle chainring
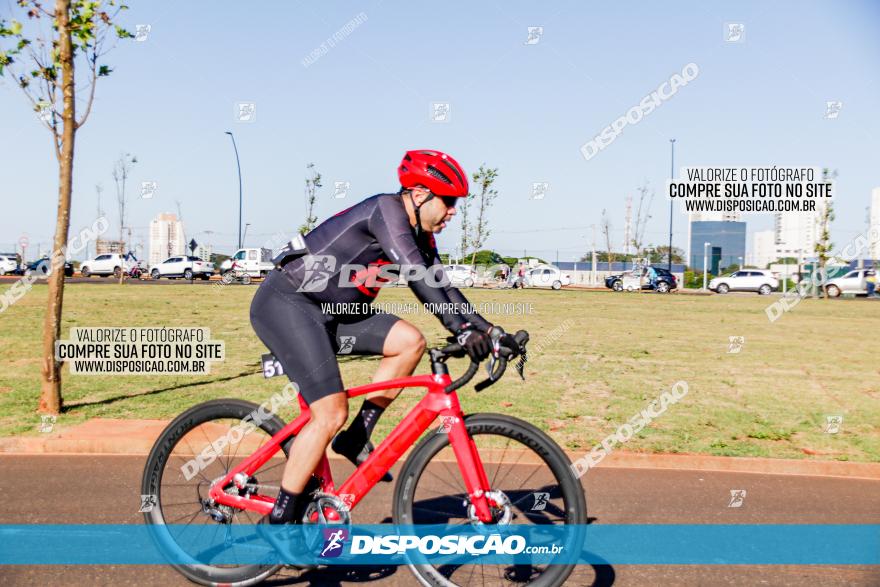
326, 508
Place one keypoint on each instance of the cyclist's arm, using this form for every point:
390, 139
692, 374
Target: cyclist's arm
390, 226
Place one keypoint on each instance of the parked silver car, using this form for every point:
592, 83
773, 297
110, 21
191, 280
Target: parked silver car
460, 275
759, 280
852, 283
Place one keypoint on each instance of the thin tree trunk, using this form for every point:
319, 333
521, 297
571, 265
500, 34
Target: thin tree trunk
50, 393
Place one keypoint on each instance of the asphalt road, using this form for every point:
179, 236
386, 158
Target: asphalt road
104, 490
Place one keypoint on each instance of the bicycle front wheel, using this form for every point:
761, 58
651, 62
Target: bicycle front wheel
529, 476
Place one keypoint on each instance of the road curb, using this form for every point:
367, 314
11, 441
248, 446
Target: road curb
136, 437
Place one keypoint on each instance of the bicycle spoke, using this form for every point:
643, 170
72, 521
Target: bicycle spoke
191, 518
511, 468
500, 461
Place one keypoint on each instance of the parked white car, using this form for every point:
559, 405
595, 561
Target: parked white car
254, 262
760, 280
108, 264
8, 264
460, 275
546, 276
851, 283
184, 266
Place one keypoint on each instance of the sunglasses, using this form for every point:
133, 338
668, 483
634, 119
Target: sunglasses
450, 201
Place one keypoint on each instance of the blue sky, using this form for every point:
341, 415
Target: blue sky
525, 109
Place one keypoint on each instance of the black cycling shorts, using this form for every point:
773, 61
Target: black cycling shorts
305, 340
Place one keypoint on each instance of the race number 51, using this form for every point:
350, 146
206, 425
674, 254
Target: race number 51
271, 366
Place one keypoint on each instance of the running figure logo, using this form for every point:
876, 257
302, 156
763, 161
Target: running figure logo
47, 423
833, 424
535, 33
446, 424
734, 32
346, 345
318, 269
333, 541
735, 344
832, 109
541, 501
737, 497
148, 502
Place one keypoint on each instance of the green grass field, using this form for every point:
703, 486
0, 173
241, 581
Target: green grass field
616, 353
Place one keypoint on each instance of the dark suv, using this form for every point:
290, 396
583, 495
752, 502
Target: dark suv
34, 266
665, 280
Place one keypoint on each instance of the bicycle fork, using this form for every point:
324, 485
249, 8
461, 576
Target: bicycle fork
471, 466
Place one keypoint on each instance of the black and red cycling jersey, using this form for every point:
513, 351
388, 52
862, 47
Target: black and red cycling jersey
347, 253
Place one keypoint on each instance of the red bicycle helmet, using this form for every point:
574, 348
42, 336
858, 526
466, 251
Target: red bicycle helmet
436, 171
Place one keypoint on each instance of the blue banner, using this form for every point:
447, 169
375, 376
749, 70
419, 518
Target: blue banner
216, 544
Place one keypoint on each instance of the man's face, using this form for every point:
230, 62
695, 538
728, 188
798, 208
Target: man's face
435, 213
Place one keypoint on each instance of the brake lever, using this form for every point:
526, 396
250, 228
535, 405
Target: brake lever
521, 364
495, 336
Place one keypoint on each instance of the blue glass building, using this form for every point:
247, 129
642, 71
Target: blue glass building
727, 244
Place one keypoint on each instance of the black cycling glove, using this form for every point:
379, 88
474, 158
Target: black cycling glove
476, 343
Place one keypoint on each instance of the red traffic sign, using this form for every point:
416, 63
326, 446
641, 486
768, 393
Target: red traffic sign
23, 242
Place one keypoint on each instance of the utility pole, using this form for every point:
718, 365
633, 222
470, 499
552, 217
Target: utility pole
98, 188
238, 165
671, 177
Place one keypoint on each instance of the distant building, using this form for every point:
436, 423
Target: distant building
204, 252
763, 249
706, 217
104, 247
166, 238
874, 221
796, 233
727, 244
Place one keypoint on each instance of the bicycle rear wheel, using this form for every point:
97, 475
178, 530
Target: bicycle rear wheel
180, 483
527, 472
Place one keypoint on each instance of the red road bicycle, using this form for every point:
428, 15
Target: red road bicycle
508, 472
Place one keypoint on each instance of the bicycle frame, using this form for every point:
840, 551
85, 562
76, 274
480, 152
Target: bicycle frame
436, 403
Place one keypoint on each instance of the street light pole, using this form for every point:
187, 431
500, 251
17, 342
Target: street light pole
238, 164
705, 263
244, 238
671, 177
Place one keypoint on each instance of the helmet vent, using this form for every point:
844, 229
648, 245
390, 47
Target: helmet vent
437, 174
454, 170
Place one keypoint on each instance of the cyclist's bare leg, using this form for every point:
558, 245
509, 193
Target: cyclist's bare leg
402, 350
328, 415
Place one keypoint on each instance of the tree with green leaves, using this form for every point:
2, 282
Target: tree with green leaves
484, 178
43, 59
826, 217
463, 210
660, 254
606, 231
313, 182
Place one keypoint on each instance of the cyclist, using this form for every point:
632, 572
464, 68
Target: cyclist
288, 316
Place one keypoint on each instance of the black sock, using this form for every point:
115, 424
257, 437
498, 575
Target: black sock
356, 436
285, 507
